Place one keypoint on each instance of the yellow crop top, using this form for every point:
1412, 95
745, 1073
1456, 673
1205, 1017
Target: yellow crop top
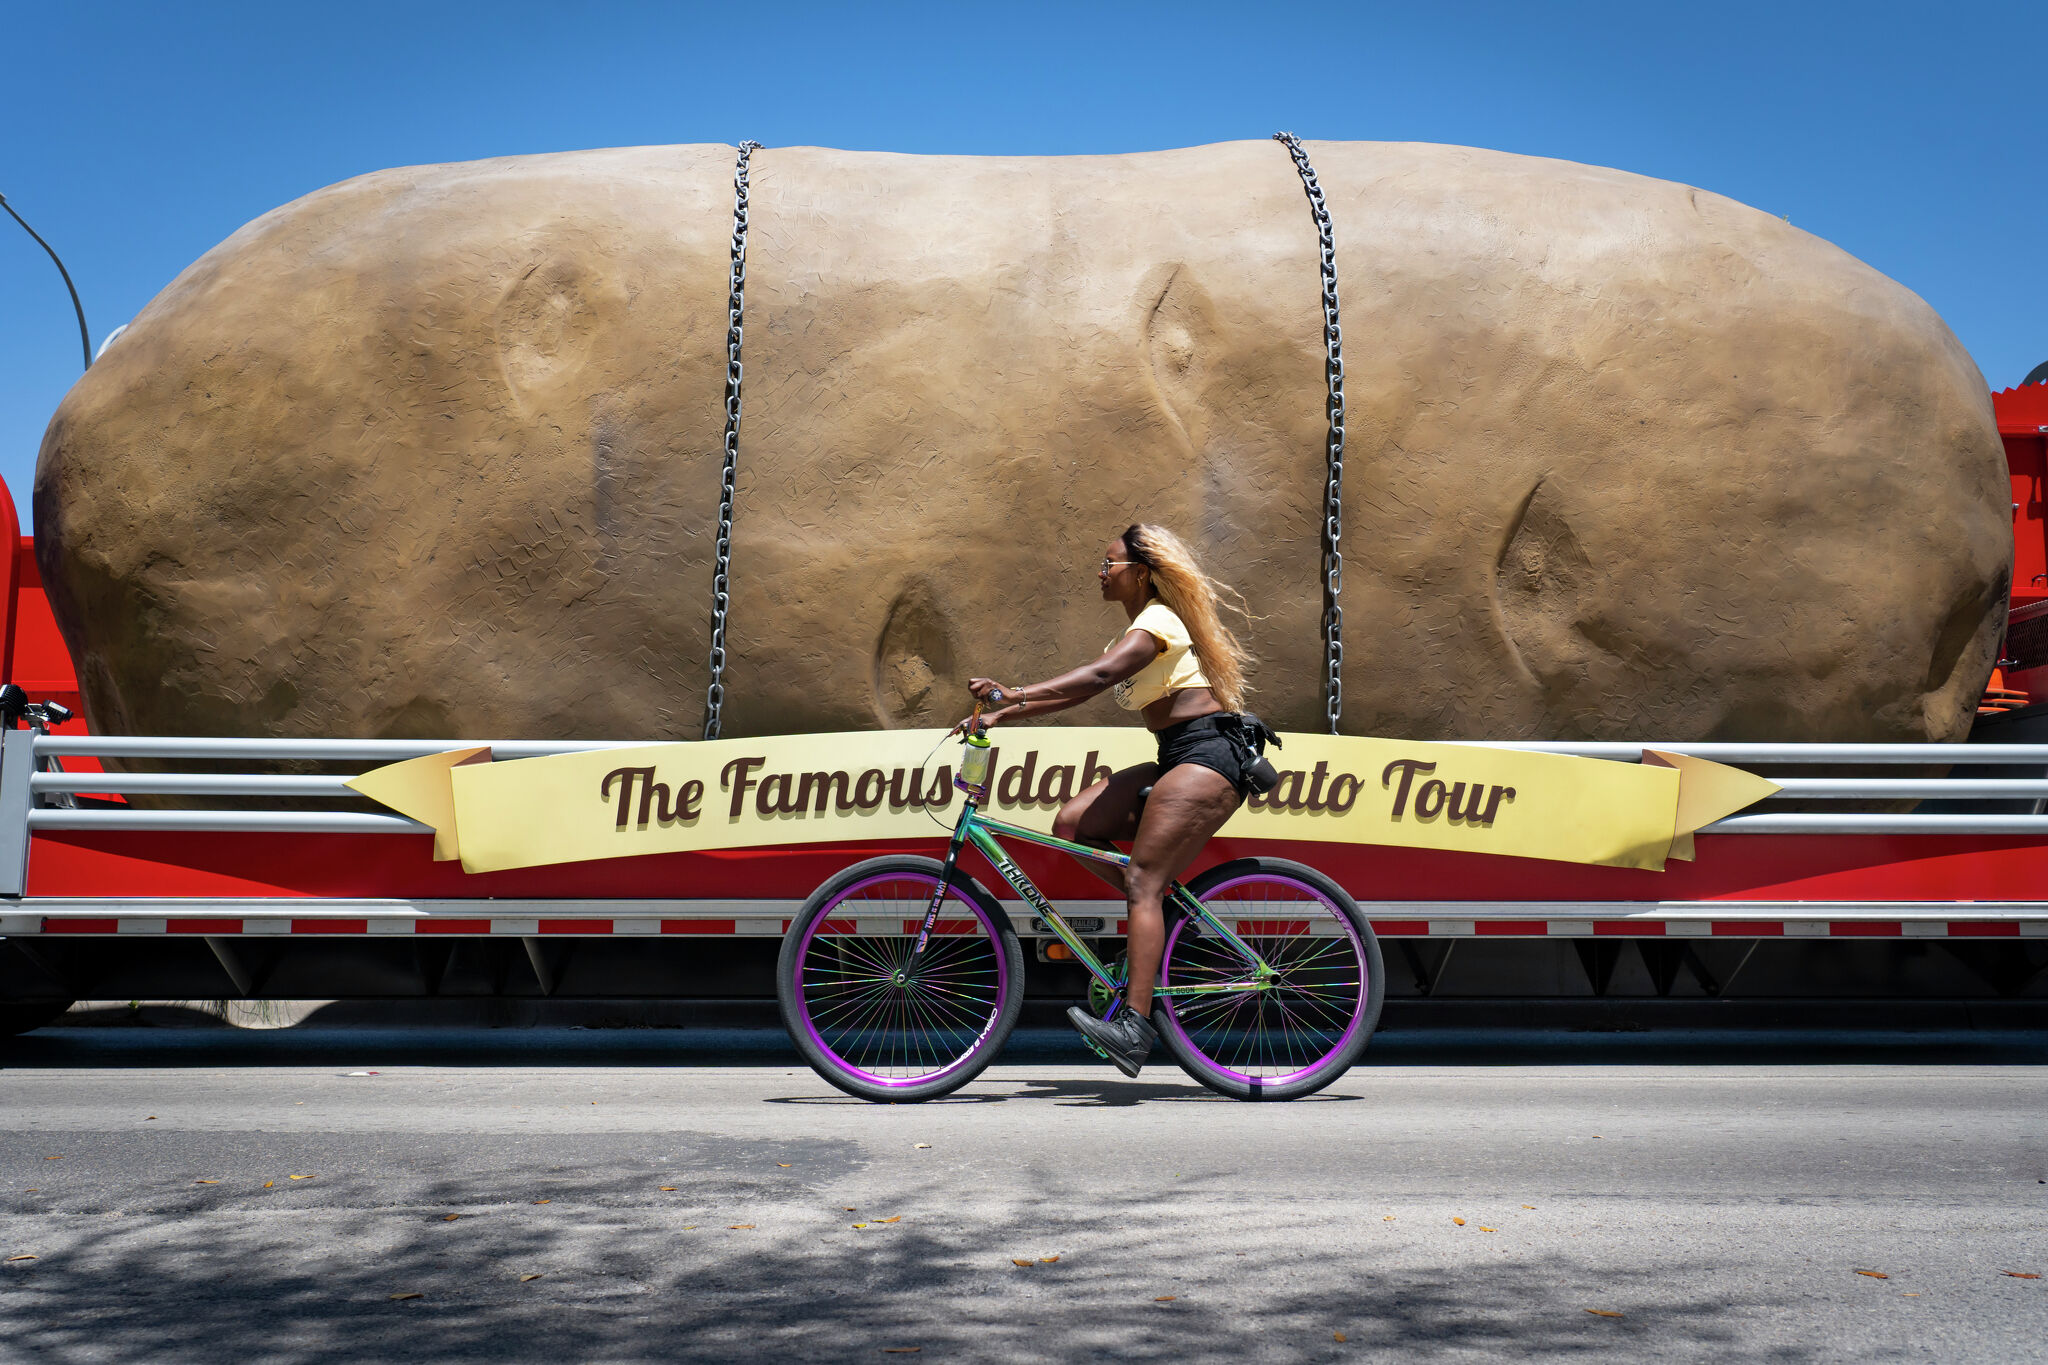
1174, 669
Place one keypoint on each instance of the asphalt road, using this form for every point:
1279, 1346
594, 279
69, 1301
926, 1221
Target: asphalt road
476, 1205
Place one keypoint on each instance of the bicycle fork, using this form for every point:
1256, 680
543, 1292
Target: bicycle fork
931, 911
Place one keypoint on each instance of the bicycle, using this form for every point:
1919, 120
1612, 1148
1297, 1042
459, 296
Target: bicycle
901, 978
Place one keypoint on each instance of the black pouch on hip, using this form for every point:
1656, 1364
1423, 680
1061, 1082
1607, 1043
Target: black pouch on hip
1251, 735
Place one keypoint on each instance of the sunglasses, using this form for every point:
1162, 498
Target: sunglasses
1109, 564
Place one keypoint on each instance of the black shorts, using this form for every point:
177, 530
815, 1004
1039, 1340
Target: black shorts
1207, 742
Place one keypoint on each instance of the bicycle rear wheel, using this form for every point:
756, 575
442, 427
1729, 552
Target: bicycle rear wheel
874, 1018
1311, 1022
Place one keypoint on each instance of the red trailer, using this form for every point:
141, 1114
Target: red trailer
1883, 872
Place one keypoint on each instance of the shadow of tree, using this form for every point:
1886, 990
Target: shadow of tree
630, 1272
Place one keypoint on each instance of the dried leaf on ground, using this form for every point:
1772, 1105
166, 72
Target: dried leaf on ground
667, 1189
543, 1201
409, 1294
449, 1218
851, 1208
1528, 1206
1339, 1336
1026, 1264
268, 1183
1459, 1221
206, 1182
1047, 1260
1388, 1219
150, 1119
299, 1177
21, 1258
1484, 1228
534, 1276
1605, 1313
897, 1219
783, 1164
901, 1350
2020, 1274
860, 1225
1874, 1274
919, 1145
740, 1227
1166, 1298
53, 1158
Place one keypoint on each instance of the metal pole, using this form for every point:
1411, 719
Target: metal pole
84, 336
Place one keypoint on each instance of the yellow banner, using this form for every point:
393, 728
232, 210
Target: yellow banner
794, 789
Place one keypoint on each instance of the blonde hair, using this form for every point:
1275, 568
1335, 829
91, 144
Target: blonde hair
1178, 581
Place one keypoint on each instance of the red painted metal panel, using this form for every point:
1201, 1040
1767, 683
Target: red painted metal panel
1401, 928
2021, 409
37, 657
575, 926
1743, 928
1729, 867
1865, 928
1629, 928
81, 926
1982, 929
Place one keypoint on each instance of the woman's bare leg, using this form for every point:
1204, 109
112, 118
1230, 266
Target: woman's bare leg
1104, 814
1188, 805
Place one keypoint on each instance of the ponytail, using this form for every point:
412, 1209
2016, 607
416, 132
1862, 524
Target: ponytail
1178, 581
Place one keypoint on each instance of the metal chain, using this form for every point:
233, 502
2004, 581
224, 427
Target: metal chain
736, 304
1333, 488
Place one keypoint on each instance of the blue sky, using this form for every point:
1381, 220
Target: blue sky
135, 137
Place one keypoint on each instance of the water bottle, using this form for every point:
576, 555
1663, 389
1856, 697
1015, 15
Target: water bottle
974, 766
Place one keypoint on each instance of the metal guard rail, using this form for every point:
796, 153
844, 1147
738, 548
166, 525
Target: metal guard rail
25, 792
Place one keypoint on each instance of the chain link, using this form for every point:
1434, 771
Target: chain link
736, 304
1333, 488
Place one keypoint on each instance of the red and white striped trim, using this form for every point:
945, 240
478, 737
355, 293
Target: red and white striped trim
768, 918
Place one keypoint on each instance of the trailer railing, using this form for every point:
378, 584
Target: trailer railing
1956, 797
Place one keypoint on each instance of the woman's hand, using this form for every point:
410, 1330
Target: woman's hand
984, 689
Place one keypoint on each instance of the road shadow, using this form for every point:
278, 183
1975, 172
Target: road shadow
189, 1045
715, 1273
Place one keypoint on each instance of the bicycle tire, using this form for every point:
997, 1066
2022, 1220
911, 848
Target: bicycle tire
1293, 1039
864, 1025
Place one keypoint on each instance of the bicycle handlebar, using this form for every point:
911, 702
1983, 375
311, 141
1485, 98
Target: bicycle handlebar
974, 725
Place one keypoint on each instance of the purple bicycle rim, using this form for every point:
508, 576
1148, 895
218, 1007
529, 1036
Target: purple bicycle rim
1350, 1030
804, 999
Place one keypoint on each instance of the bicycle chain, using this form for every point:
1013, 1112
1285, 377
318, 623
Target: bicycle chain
736, 303
1333, 487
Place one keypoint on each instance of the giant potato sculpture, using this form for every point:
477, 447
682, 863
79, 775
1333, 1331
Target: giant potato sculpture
436, 451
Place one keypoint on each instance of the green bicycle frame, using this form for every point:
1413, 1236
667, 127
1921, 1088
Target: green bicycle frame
981, 831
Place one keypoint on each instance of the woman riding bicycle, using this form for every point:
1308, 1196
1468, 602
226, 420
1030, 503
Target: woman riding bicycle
1184, 671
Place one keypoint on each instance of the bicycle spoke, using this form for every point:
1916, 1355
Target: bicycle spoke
886, 1012
1288, 1022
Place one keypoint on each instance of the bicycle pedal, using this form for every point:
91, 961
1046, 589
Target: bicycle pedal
1096, 1048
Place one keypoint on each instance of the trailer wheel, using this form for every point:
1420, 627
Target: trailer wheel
19, 1016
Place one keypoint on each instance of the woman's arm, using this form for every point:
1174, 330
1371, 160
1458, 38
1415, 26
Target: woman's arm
1125, 659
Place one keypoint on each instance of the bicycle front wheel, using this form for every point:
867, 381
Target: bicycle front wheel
1302, 1027
876, 1018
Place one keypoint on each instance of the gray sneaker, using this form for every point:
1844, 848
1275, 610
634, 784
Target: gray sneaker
1125, 1038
